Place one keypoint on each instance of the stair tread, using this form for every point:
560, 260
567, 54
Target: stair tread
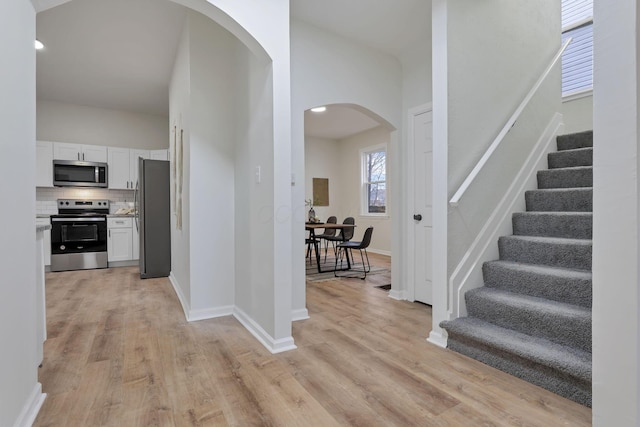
545, 239
575, 140
555, 213
558, 190
571, 157
566, 168
500, 296
557, 356
545, 269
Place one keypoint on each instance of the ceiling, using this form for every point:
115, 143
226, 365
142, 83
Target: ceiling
119, 54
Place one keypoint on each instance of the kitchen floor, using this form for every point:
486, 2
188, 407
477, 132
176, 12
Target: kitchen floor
120, 353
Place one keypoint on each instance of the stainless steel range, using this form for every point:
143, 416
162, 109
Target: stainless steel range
79, 235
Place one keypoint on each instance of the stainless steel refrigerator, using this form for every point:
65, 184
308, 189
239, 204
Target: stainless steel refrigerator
153, 217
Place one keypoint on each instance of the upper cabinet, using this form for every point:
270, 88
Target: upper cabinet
159, 154
133, 169
123, 167
118, 161
86, 153
44, 164
122, 162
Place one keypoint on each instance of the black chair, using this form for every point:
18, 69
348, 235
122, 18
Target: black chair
344, 235
345, 250
328, 233
311, 246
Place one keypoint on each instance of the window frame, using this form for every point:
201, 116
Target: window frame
364, 194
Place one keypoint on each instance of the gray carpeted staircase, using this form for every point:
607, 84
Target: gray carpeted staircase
532, 317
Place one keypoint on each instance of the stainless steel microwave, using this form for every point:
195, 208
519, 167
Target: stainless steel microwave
73, 173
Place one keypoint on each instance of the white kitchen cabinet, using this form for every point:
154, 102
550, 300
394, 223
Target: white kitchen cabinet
87, 153
123, 167
136, 240
135, 154
44, 164
119, 241
159, 154
47, 240
119, 167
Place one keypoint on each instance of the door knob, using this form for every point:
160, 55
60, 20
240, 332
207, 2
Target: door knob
417, 217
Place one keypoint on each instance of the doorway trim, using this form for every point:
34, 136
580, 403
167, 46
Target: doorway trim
408, 292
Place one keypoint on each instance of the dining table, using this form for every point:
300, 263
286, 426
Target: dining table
311, 227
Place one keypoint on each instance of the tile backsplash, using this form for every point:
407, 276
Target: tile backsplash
46, 198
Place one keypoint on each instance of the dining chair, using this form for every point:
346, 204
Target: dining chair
311, 246
345, 249
328, 233
343, 235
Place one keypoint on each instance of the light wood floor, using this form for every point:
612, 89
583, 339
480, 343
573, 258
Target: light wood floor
120, 353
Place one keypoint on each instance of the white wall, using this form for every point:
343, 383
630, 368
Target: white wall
19, 385
179, 112
202, 103
322, 160
328, 69
577, 114
234, 101
57, 121
211, 163
489, 55
351, 195
616, 215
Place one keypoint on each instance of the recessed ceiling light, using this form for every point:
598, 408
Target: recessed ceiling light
39, 45
319, 109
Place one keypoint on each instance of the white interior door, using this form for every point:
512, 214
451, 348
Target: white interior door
423, 202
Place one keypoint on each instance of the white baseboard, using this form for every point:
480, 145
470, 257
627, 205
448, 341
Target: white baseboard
183, 301
301, 314
379, 251
31, 407
210, 313
397, 295
468, 273
273, 345
437, 339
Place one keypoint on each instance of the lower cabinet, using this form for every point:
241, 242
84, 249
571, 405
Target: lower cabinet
120, 239
47, 240
136, 240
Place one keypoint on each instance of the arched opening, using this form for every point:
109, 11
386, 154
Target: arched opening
342, 146
222, 126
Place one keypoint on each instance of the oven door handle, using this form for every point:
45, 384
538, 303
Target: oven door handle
78, 219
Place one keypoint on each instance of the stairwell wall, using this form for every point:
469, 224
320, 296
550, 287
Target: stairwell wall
495, 51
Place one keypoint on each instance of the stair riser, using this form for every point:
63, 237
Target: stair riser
570, 158
569, 255
559, 201
550, 225
565, 178
576, 140
540, 375
566, 329
575, 291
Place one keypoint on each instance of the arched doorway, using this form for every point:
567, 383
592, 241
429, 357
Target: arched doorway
235, 121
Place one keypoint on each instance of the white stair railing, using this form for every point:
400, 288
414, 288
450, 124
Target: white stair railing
507, 127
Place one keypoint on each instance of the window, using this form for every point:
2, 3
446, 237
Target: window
374, 180
577, 59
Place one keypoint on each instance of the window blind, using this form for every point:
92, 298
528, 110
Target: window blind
575, 11
577, 59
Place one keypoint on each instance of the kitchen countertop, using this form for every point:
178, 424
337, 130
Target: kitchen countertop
43, 215
41, 228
